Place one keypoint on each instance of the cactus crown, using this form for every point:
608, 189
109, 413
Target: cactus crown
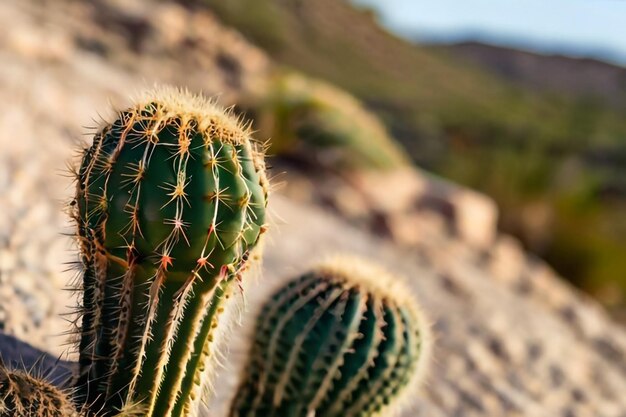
345, 339
22, 394
170, 202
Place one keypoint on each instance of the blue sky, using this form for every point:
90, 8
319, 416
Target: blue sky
575, 27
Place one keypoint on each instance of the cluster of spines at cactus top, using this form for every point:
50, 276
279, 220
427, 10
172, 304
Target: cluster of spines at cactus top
343, 340
170, 204
26, 395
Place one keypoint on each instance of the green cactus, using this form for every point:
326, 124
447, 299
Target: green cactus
170, 202
343, 340
312, 119
24, 395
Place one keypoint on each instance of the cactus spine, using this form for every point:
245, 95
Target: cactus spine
170, 201
24, 395
343, 340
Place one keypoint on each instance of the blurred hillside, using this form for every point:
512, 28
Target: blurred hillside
575, 78
542, 135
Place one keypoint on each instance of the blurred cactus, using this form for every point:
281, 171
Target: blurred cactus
344, 340
308, 117
24, 395
170, 201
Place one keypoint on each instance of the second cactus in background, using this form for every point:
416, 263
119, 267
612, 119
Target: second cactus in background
316, 122
344, 340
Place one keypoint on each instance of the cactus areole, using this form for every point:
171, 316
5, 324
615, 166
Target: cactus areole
170, 203
344, 340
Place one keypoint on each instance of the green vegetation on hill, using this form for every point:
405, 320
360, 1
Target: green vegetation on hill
552, 161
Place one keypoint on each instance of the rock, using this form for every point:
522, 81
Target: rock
508, 260
393, 191
471, 216
476, 217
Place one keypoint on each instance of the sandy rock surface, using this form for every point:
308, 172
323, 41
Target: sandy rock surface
511, 338
501, 348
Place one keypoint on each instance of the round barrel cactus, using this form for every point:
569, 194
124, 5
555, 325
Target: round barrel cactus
343, 340
170, 204
22, 394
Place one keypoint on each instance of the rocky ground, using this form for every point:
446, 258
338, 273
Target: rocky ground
511, 338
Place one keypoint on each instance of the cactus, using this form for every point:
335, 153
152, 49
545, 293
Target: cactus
345, 339
170, 202
24, 395
308, 118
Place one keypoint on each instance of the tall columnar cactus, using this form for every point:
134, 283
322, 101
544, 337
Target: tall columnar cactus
344, 340
24, 395
170, 202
